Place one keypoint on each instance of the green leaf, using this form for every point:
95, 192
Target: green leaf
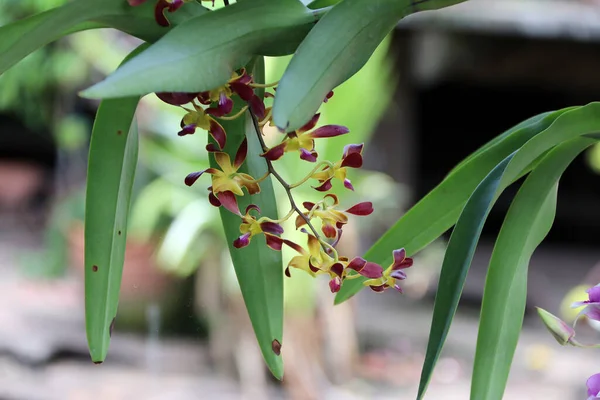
438, 211
259, 269
111, 169
316, 4
527, 223
201, 53
457, 261
571, 124
20, 38
334, 50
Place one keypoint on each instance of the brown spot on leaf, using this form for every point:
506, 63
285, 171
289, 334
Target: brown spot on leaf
97, 362
95, 268
112, 325
119, 233
276, 346
119, 132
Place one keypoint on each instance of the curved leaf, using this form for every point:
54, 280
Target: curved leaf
571, 124
20, 38
457, 261
527, 222
439, 210
111, 169
201, 53
334, 50
258, 269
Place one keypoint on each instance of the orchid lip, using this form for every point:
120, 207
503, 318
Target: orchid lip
242, 241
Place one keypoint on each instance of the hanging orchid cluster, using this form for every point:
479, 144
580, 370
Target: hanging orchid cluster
320, 255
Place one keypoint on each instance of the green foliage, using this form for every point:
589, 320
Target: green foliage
435, 213
527, 222
218, 41
320, 63
111, 168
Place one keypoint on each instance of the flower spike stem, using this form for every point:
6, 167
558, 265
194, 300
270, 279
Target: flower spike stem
235, 116
307, 177
263, 85
282, 182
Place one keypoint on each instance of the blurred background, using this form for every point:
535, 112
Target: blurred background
439, 87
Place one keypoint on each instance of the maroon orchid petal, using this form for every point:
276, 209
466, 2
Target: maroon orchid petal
175, 5
364, 208
312, 267
176, 98
212, 199
187, 130
328, 131
243, 90
294, 246
328, 96
300, 221
352, 149
212, 148
244, 78
193, 177
287, 272
134, 3
204, 98
325, 186
257, 107
242, 241
252, 207
229, 201
215, 112
159, 12
271, 227
401, 275
310, 124
335, 285
274, 242
400, 260
274, 153
378, 289
371, 270
240, 155
308, 205
348, 184
593, 294
329, 231
357, 264
218, 133
353, 160
225, 103
310, 156
337, 269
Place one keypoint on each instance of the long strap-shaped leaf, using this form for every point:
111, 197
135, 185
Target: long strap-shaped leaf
439, 210
111, 169
201, 53
334, 50
527, 222
20, 38
571, 124
258, 269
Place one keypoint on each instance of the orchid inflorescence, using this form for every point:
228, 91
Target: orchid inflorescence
320, 255
565, 333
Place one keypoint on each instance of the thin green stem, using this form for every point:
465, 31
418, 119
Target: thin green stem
282, 182
307, 177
